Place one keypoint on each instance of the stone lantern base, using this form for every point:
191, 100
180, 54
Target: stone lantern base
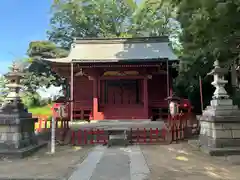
17, 138
220, 129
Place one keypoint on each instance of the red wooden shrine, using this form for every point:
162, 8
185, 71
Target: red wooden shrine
118, 79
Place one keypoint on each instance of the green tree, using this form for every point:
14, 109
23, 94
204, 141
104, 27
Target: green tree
87, 18
39, 73
210, 31
3, 88
106, 18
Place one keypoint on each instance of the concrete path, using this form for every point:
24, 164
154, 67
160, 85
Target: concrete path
113, 163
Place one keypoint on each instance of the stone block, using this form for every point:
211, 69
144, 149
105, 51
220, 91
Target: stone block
220, 119
212, 125
221, 134
216, 133
205, 131
235, 126
236, 133
17, 136
220, 112
221, 102
218, 143
8, 128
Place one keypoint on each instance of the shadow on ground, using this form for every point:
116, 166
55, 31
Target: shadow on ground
43, 165
180, 162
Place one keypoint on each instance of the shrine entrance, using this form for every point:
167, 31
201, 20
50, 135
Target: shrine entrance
121, 98
122, 92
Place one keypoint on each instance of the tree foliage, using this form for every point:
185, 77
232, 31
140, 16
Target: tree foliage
210, 31
3, 88
106, 18
87, 18
39, 73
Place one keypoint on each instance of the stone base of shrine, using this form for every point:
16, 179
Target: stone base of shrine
225, 151
219, 135
21, 153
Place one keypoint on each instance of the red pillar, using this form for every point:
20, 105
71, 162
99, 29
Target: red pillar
95, 98
145, 97
71, 96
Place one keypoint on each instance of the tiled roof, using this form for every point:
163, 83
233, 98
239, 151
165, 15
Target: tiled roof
118, 49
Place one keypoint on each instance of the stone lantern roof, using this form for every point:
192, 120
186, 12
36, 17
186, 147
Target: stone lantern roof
173, 98
12, 102
217, 69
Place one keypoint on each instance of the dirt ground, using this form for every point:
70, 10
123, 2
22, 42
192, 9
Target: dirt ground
181, 162
166, 162
43, 165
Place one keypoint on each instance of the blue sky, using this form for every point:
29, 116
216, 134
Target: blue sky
21, 21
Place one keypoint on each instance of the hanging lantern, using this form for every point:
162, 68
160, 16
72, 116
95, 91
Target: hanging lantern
174, 102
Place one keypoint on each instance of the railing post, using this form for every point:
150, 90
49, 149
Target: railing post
53, 136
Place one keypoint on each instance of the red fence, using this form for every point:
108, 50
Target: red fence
44, 125
83, 137
177, 129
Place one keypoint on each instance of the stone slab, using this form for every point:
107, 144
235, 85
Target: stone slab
119, 124
116, 163
87, 167
139, 169
21, 153
15, 118
224, 151
218, 143
222, 102
220, 112
221, 119
219, 125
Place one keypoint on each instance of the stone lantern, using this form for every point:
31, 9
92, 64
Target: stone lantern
219, 122
13, 97
174, 102
17, 136
219, 81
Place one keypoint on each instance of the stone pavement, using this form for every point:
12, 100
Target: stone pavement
153, 162
113, 163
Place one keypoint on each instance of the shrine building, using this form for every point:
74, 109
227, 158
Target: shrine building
118, 78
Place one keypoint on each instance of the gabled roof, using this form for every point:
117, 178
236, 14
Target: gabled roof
118, 49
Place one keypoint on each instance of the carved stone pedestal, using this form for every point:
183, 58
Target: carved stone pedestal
220, 128
17, 138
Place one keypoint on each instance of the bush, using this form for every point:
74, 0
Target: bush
43, 102
33, 100
49, 118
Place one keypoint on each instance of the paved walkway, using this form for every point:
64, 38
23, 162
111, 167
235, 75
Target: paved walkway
113, 163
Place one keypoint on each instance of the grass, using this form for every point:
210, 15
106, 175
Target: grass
43, 110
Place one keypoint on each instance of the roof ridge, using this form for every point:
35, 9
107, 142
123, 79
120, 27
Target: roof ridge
156, 39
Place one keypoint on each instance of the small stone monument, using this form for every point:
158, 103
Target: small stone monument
17, 137
220, 122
